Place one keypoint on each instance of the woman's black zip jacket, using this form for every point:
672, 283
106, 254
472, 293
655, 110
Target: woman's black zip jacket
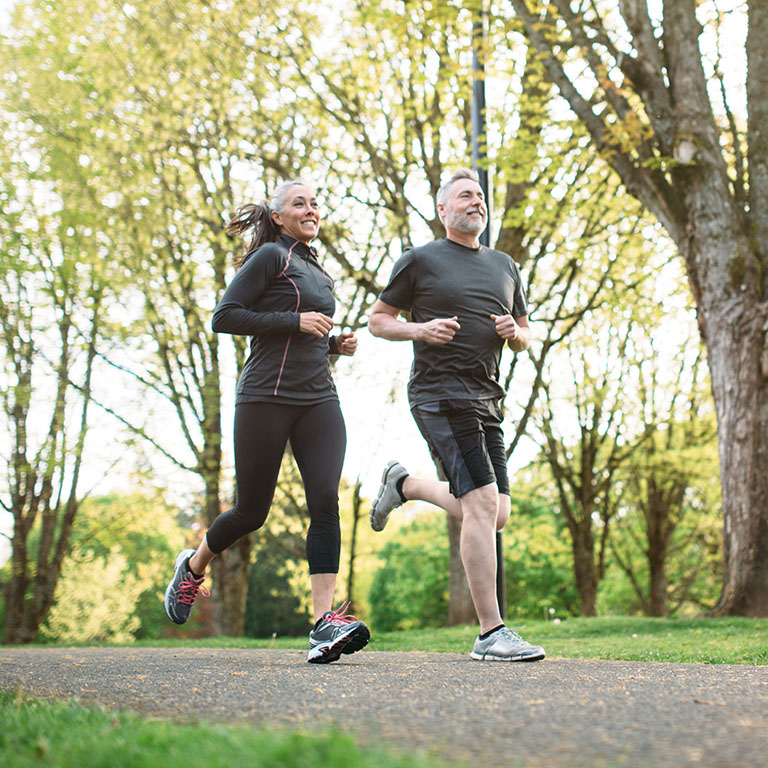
277, 282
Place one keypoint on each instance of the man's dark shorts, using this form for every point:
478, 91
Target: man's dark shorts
466, 437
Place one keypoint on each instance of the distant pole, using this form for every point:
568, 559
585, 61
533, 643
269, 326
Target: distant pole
479, 152
479, 155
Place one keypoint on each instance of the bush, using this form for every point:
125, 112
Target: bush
538, 562
410, 589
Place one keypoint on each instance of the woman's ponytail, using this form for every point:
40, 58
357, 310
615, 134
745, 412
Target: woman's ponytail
255, 218
258, 218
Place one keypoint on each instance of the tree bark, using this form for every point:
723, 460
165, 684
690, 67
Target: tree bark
230, 579
461, 609
723, 243
659, 532
583, 545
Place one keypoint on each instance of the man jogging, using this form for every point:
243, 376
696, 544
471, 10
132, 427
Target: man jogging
465, 301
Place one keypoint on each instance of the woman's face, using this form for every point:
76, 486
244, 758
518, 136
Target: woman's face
300, 217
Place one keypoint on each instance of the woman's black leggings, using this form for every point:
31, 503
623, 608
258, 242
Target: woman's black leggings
318, 439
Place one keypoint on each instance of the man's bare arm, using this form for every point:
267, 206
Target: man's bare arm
385, 323
515, 330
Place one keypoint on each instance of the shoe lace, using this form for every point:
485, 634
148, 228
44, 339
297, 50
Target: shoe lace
513, 632
189, 588
339, 616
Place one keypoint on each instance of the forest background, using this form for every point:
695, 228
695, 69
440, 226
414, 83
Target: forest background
132, 132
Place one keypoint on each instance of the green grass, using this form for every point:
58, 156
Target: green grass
707, 641
66, 735
702, 640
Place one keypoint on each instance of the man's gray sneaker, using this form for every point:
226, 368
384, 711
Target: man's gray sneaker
389, 497
335, 633
184, 587
506, 645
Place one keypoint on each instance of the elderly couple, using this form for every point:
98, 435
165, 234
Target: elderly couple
464, 301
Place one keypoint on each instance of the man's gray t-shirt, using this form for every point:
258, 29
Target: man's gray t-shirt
444, 279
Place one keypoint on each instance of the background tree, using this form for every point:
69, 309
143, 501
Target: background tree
668, 496
410, 589
538, 558
585, 463
53, 280
176, 133
650, 91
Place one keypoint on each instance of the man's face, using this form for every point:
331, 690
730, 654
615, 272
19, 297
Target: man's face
465, 210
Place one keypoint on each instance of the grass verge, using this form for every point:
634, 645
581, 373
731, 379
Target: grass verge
66, 735
695, 641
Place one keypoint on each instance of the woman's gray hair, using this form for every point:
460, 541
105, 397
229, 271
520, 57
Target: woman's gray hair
445, 190
278, 198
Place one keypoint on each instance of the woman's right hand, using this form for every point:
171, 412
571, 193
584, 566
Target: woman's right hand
315, 323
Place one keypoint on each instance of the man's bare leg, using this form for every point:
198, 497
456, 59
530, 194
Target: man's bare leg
435, 492
478, 552
438, 492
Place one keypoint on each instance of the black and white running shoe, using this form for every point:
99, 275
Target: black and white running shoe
182, 591
336, 632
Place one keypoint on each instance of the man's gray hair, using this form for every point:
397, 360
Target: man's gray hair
462, 173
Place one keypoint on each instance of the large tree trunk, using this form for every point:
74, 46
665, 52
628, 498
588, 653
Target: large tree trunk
727, 281
722, 235
740, 387
740, 357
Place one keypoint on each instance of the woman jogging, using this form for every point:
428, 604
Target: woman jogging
282, 298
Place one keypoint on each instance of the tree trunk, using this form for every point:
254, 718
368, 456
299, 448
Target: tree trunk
722, 239
230, 579
583, 543
726, 277
742, 413
16, 632
461, 609
726, 281
657, 587
230, 570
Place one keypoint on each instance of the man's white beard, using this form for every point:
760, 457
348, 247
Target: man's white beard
462, 223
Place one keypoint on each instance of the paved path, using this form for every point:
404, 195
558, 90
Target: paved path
554, 713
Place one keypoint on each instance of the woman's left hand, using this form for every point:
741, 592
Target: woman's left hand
346, 343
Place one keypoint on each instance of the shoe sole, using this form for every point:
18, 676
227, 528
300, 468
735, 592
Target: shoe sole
358, 638
488, 657
382, 489
179, 560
